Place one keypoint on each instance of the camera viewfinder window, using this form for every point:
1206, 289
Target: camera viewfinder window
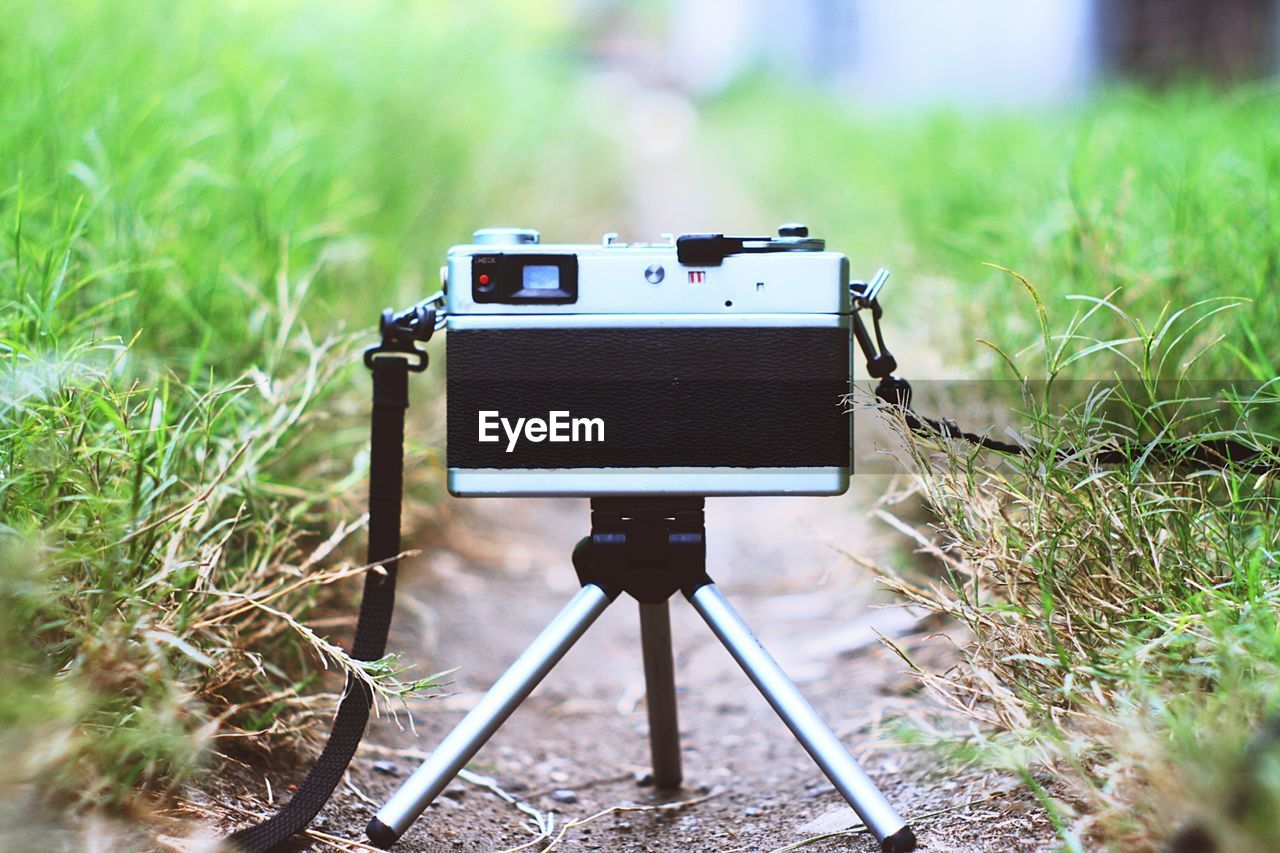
519, 279
542, 277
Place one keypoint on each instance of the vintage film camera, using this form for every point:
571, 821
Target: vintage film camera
704, 365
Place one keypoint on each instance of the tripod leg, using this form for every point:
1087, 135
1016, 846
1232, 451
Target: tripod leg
461, 744
820, 742
660, 694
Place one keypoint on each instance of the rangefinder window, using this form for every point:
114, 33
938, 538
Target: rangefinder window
525, 279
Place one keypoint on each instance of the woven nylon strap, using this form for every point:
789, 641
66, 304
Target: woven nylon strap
386, 483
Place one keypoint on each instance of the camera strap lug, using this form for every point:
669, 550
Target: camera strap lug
403, 330
880, 362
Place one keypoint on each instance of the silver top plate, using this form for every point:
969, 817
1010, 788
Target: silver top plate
625, 279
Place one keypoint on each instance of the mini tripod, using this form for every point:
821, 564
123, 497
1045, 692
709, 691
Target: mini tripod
649, 548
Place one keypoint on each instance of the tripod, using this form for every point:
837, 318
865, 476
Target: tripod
649, 548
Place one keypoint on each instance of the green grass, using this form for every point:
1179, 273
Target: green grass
1124, 618
1164, 198
204, 207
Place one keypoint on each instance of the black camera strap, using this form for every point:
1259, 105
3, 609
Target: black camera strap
390, 363
896, 392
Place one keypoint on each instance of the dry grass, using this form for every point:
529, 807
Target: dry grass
204, 633
1124, 618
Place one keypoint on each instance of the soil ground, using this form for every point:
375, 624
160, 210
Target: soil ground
579, 746
585, 731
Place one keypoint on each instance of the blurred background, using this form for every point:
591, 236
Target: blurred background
988, 53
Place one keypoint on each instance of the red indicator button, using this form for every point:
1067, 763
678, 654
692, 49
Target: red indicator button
484, 279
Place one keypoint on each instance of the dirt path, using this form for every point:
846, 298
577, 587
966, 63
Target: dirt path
578, 746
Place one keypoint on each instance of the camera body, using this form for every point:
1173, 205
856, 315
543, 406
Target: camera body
702, 366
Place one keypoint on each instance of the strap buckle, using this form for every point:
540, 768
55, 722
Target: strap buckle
403, 330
